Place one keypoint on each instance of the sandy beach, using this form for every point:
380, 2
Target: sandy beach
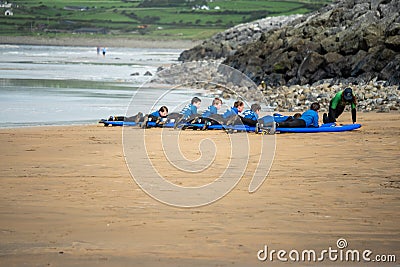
103, 42
68, 199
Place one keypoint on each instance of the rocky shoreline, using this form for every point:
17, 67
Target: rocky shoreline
373, 96
222, 81
309, 58
353, 41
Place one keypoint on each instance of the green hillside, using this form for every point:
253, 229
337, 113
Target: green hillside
175, 19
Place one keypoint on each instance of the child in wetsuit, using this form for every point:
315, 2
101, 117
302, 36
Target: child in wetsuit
156, 116
308, 119
189, 112
205, 118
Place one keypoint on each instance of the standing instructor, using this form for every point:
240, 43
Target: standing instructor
338, 103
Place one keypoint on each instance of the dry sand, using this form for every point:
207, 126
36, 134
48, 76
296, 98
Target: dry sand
67, 199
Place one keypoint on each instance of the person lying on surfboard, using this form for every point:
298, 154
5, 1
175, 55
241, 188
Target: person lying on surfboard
204, 119
159, 117
251, 117
156, 115
229, 115
189, 112
214, 119
213, 109
308, 119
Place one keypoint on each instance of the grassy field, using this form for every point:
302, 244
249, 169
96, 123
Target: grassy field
142, 19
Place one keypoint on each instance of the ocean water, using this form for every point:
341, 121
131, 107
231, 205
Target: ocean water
53, 85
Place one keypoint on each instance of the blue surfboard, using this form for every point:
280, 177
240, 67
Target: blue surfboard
120, 123
328, 127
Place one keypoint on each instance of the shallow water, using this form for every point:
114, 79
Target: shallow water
52, 85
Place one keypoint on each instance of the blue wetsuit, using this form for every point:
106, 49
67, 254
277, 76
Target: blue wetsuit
251, 115
230, 112
210, 111
307, 119
156, 114
188, 111
310, 117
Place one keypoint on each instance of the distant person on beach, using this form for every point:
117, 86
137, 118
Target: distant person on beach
263, 85
98, 50
308, 119
338, 103
104, 51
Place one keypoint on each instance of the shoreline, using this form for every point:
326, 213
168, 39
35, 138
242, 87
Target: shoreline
107, 42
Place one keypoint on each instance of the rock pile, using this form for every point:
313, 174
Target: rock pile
352, 41
211, 76
223, 81
296, 98
226, 43
309, 58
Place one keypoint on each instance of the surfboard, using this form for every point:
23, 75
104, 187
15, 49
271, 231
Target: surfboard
120, 123
132, 123
328, 127
223, 127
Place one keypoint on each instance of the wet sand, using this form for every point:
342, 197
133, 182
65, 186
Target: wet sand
67, 199
103, 42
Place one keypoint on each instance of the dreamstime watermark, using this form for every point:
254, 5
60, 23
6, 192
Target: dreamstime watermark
340, 253
194, 77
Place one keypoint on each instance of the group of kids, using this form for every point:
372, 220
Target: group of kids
236, 115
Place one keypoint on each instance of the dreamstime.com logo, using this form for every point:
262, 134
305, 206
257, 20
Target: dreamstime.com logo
340, 253
194, 77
